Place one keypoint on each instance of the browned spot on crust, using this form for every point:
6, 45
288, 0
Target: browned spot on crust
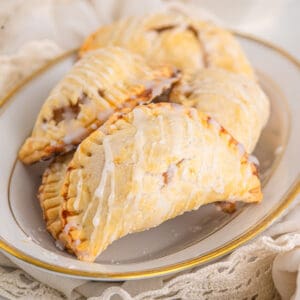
59, 113
118, 160
83, 98
101, 93
164, 97
227, 207
188, 94
68, 112
132, 102
65, 214
244, 160
193, 30
223, 130
233, 141
180, 162
52, 151
176, 74
165, 177
146, 94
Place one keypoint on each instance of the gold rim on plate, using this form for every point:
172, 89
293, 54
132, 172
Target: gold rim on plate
251, 233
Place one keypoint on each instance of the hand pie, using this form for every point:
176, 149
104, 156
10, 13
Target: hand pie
102, 82
145, 167
234, 100
176, 39
50, 193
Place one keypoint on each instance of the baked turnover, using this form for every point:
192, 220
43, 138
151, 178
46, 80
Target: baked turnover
235, 101
176, 39
145, 167
102, 82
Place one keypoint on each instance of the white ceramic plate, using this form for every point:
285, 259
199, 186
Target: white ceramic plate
191, 239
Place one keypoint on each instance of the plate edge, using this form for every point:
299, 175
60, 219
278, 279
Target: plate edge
252, 232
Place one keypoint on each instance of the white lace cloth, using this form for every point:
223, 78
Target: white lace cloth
251, 272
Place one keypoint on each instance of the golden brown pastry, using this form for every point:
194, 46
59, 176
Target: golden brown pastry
102, 82
49, 193
234, 100
145, 167
176, 39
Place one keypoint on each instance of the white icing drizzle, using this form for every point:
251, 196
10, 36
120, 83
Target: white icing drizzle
161, 130
178, 139
79, 190
241, 149
68, 115
94, 126
194, 115
158, 87
171, 172
189, 129
44, 126
111, 198
139, 143
69, 225
105, 114
186, 88
119, 93
60, 245
76, 243
188, 132
91, 73
253, 159
214, 123
74, 134
53, 143
107, 168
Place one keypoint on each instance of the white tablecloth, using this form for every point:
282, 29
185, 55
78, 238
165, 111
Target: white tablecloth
31, 34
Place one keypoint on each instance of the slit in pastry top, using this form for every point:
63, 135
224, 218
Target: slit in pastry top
147, 166
104, 81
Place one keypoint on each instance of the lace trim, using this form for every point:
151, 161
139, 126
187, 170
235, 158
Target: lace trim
18, 284
246, 274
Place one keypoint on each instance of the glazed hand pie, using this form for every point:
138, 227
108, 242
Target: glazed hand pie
102, 82
173, 38
49, 193
234, 100
145, 167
